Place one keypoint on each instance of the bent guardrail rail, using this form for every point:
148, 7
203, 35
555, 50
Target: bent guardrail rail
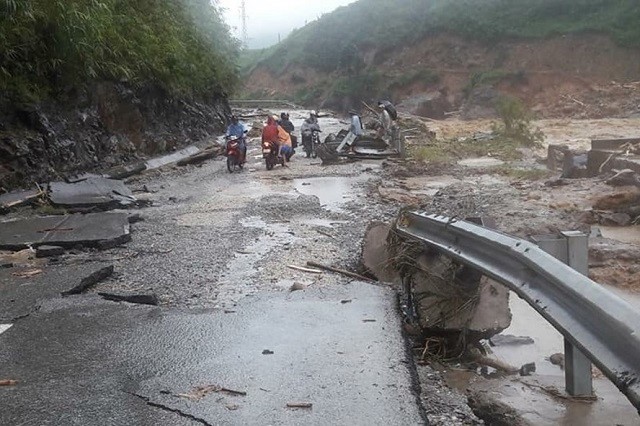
601, 325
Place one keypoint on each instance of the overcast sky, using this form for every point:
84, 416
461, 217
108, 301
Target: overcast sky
267, 18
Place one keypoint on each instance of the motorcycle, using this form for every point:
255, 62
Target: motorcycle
310, 144
235, 155
270, 154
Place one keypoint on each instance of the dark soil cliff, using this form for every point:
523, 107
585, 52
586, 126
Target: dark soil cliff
107, 125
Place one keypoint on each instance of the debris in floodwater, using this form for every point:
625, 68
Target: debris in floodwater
232, 407
557, 359
141, 299
528, 369
91, 280
509, 340
267, 352
368, 320
345, 301
8, 382
299, 405
200, 392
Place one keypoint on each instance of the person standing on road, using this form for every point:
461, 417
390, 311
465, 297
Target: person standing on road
355, 130
385, 121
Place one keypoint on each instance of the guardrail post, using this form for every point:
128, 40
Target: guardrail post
572, 248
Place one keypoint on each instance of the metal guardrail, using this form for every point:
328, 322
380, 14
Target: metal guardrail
601, 325
265, 102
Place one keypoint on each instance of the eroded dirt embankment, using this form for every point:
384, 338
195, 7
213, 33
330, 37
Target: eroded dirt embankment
106, 125
580, 76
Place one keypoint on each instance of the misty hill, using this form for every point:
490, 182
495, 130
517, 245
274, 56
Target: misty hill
357, 45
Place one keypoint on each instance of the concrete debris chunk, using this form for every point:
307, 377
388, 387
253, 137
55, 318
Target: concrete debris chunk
95, 191
141, 299
49, 251
90, 281
65, 231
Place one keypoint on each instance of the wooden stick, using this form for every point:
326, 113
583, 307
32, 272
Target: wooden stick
300, 268
339, 271
299, 405
8, 382
326, 234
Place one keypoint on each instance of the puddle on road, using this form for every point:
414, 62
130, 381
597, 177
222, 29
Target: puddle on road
527, 322
332, 191
625, 234
237, 280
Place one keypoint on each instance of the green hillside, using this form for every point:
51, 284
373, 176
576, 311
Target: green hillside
332, 41
47, 46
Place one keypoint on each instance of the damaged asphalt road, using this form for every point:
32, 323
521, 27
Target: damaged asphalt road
83, 361
215, 251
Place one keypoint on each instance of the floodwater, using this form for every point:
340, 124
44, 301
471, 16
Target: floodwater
525, 394
625, 234
333, 192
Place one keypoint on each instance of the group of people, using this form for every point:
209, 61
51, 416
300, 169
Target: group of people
280, 130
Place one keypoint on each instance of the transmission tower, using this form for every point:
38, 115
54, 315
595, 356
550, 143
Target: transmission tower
243, 18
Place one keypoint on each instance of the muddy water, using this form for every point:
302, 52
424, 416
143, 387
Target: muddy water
625, 234
524, 394
333, 191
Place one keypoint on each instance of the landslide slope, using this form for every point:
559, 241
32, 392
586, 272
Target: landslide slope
576, 58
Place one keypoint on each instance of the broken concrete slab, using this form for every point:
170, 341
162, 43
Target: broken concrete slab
19, 198
90, 281
174, 157
125, 171
49, 251
88, 230
450, 299
141, 299
94, 191
204, 155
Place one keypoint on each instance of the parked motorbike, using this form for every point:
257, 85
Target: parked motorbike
235, 155
270, 154
310, 144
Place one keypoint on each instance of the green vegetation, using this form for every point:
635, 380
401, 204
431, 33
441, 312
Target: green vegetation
516, 123
335, 40
48, 46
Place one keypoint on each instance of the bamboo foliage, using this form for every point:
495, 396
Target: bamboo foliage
46, 46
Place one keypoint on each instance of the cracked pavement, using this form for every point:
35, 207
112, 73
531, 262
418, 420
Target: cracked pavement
214, 248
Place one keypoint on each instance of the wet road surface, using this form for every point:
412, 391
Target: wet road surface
215, 248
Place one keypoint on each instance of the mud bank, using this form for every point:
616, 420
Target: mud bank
106, 125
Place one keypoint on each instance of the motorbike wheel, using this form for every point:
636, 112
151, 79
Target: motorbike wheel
269, 163
314, 153
307, 152
231, 163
